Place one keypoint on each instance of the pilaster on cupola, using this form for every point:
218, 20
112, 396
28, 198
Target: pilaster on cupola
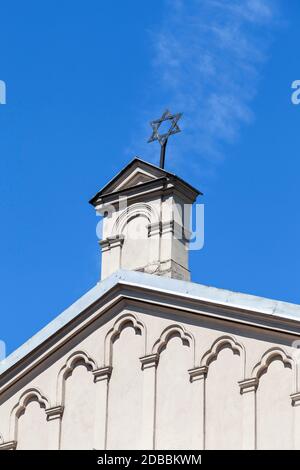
146, 221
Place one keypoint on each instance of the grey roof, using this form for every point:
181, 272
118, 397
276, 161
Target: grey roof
130, 164
189, 290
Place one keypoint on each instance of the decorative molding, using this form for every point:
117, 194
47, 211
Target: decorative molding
127, 319
32, 394
295, 397
248, 385
111, 242
104, 373
116, 242
76, 358
104, 245
169, 226
138, 176
184, 303
154, 229
11, 445
139, 209
149, 361
177, 230
222, 342
26, 397
171, 331
56, 412
198, 373
271, 355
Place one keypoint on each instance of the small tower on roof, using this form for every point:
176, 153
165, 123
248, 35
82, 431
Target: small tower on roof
146, 216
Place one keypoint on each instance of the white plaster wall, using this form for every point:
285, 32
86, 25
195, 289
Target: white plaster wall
135, 251
78, 419
32, 423
125, 392
275, 413
177, 343
142, 236
224, 402
174, 397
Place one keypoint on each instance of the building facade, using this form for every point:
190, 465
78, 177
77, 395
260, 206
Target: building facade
147, 359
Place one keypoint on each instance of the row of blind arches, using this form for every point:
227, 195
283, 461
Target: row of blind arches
175, 330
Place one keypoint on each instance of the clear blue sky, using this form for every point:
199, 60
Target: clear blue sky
83, 80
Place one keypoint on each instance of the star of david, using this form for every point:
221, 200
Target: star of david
174, 128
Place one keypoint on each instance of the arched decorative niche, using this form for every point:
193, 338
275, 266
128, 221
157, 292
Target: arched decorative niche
276, 377
125, 343
172, 331
125, 320
224, 364
75, 359
175, 397
271, 355
133, 226
222, 343
32, 394
139, 209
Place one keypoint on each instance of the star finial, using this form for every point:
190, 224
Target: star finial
163, 138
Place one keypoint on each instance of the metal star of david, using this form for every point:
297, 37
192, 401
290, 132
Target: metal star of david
174, 128
163, 138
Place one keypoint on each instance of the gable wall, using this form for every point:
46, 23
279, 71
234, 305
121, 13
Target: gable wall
96, 392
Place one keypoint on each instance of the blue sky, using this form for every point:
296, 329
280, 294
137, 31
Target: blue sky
84, 79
